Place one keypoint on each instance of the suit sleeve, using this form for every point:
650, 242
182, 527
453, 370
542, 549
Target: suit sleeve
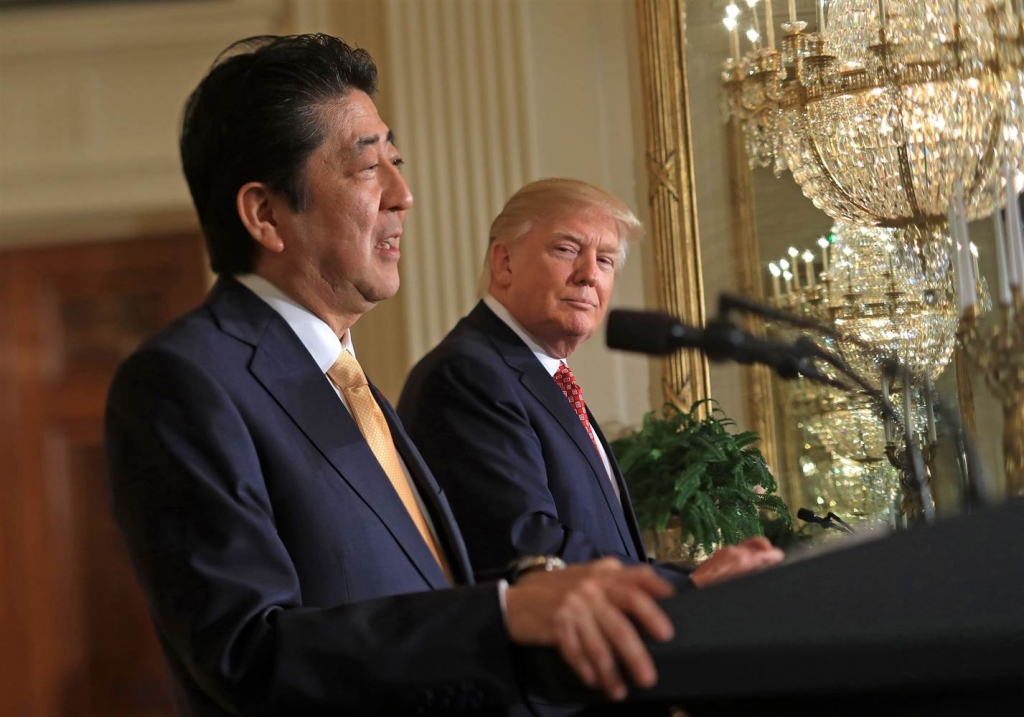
467, 420
225, 598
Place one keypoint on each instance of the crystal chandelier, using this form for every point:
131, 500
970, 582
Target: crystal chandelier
884, 293
878, 115
893, 289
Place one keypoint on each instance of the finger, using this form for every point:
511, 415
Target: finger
592, 620
757, 542
646, 612
606, 565
571, 649
645, 578
622, 635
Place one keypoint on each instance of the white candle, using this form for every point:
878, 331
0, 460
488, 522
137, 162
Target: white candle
808, 258
823, 243
792, 10
975, 269
774, 270
888, 418
881, 13
1014, 240
971, 295
1001, 258
753, 14
956, 257
929, 405
793, 253
908, 410
821, 16
734, 38
753, 37
769, 24
788, 276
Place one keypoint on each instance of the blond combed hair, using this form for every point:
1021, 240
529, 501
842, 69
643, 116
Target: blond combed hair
552, 199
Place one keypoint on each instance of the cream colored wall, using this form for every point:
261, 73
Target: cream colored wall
90, 100
483, 96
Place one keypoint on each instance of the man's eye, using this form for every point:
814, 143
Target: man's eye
565, 249
398, 162
370, 168
607, 261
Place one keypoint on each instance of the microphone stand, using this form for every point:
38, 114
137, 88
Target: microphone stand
975, 488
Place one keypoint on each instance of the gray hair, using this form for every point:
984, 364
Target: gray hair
552, 199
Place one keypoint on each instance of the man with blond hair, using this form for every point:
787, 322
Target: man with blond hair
499, 416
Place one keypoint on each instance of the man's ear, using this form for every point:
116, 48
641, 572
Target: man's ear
501, 264
256, 205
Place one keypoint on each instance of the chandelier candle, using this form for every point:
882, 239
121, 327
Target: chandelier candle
808, 258
970, 296
774, 270
1001, 258
769, 24
734, 38
792, 11
757, 26
1014, 241
823, 243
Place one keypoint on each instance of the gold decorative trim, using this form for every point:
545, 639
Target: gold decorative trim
672, 199
757, 380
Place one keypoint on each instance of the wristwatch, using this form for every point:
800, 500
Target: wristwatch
532, 563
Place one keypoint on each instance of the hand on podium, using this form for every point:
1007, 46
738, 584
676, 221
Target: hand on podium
732, 561
588, 613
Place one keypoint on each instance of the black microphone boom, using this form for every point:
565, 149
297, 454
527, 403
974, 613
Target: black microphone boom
652, 332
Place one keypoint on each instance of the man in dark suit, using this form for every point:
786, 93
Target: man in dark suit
297, 556
498, 415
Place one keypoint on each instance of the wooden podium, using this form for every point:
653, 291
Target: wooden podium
924, 622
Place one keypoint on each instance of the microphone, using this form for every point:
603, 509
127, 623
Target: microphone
652, 332
830, 521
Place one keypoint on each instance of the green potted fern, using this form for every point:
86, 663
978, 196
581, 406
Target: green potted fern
696, 483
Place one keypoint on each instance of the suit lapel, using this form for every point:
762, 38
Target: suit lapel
535, 379
626, 503
440, 512
286, 370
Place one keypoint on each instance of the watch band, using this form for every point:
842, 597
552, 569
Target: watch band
532, 563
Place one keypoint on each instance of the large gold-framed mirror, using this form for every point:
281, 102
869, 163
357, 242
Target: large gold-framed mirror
718, 224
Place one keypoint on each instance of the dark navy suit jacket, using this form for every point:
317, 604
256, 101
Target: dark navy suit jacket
516, 463
278, 562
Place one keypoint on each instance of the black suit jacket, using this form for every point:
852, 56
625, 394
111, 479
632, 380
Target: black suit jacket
283, 573
520, 472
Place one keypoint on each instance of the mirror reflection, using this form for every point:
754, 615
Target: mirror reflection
865, 151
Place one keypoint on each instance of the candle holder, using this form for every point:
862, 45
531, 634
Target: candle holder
997, 350
912, 505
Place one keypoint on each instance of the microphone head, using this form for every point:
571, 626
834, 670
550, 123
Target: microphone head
646, 332
807, 516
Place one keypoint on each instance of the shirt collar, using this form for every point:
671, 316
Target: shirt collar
318, 338
550, 363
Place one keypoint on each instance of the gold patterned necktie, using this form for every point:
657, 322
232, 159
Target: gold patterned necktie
347, 375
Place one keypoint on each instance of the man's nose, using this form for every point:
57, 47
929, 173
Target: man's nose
585, 271
396, 195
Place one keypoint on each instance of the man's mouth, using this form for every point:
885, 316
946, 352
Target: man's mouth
389, 244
